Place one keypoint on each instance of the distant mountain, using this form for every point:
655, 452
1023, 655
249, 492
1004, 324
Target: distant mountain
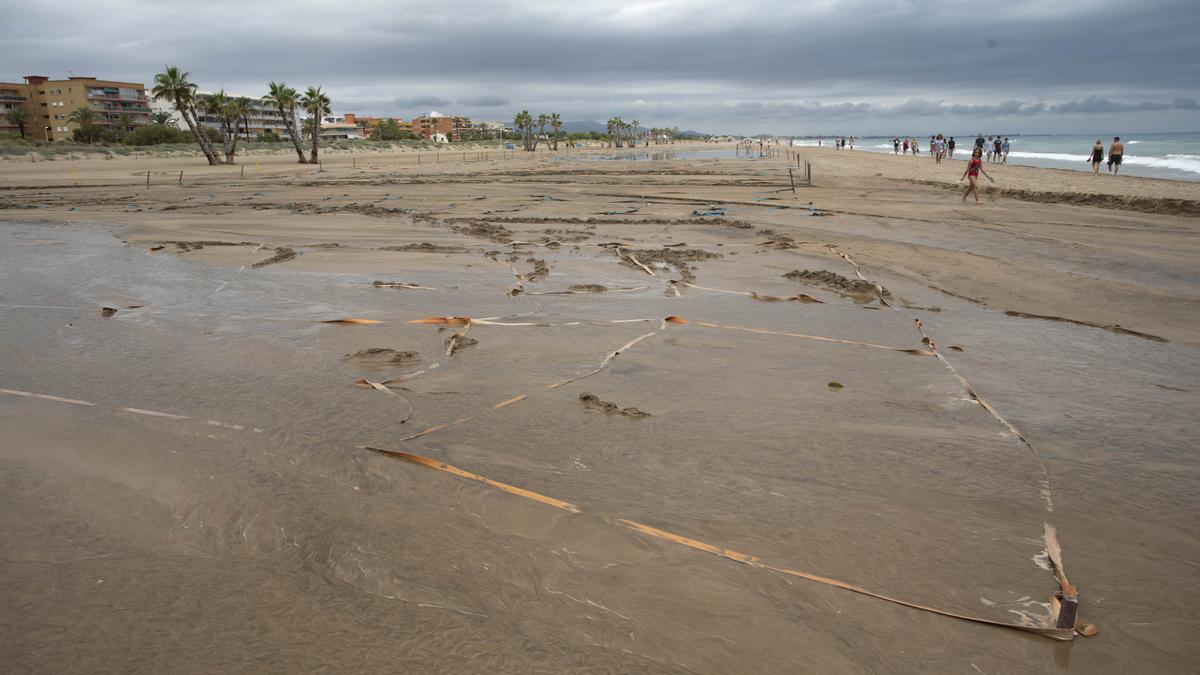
584, 126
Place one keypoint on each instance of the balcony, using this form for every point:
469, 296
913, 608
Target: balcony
117, 97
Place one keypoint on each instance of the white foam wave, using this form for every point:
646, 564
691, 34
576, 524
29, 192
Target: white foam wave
1186, 163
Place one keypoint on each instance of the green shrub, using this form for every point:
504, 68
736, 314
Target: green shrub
157, 134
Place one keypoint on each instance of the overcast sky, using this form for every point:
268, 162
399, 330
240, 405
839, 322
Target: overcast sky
796, 67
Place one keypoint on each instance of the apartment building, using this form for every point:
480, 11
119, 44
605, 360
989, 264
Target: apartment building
370, 125
438, 127
341, 128
262, 118
49, 102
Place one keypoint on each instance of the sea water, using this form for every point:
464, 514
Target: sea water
1158, 155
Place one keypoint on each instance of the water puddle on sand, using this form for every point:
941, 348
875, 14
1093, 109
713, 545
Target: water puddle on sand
250, 509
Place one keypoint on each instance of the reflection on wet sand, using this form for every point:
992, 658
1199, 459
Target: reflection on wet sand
185, 487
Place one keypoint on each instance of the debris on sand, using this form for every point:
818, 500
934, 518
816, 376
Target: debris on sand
540, 270
107, 311
384, 355
188, 246
836, 385
776, 240
282, 254
396, 284
593, 402
587, 288
457, 342
482, 229
423, 247
860, 291
675, 258
1113, 328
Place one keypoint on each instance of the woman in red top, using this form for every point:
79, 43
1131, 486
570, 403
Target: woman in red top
974, 168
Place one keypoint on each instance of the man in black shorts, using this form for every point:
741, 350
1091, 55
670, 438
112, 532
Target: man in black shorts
1115, 152
950, 146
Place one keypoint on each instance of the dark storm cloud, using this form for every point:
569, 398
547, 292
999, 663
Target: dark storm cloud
664, 61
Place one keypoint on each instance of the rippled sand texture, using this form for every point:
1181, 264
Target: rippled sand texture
188, 491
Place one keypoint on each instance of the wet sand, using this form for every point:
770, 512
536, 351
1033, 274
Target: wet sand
250, 531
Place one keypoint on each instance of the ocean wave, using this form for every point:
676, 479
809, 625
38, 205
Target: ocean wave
1178, 162
1186, 163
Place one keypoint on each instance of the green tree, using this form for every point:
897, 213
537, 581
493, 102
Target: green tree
162, 118
173, 85
284, 98
19, 117
86, 119
317, 104
124, 124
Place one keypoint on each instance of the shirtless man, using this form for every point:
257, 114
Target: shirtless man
1115, 152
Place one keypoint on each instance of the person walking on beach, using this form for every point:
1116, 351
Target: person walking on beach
950, 148
933, 148
939, 148
1004, 147
974, 168
996, 150
979, 141
1115, 152
906, 146
916, 147
895, 146
988, 147
1097, 157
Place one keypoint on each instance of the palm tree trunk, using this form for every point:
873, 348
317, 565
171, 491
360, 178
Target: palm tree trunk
231, 150
188, 115
289, 123
316, 139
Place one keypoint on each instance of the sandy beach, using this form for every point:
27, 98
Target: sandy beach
864, 379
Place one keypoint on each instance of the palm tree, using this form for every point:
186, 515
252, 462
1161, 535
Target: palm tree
124, 123
316, 104
636, 124
162, 118
556, 124
524, 122
85, 118
19, 117
173, 86
543, 120
283, 98
237, 113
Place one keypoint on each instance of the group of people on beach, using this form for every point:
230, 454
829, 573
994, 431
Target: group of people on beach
993, 148
1116, 152
841, 141
940, 147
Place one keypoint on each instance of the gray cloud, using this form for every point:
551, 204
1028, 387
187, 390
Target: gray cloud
484, 101
422, 102
794, 67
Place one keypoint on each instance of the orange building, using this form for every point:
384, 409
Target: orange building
48, 103
452, 128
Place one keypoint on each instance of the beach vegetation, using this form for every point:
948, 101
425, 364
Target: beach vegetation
156, 134
18, 117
